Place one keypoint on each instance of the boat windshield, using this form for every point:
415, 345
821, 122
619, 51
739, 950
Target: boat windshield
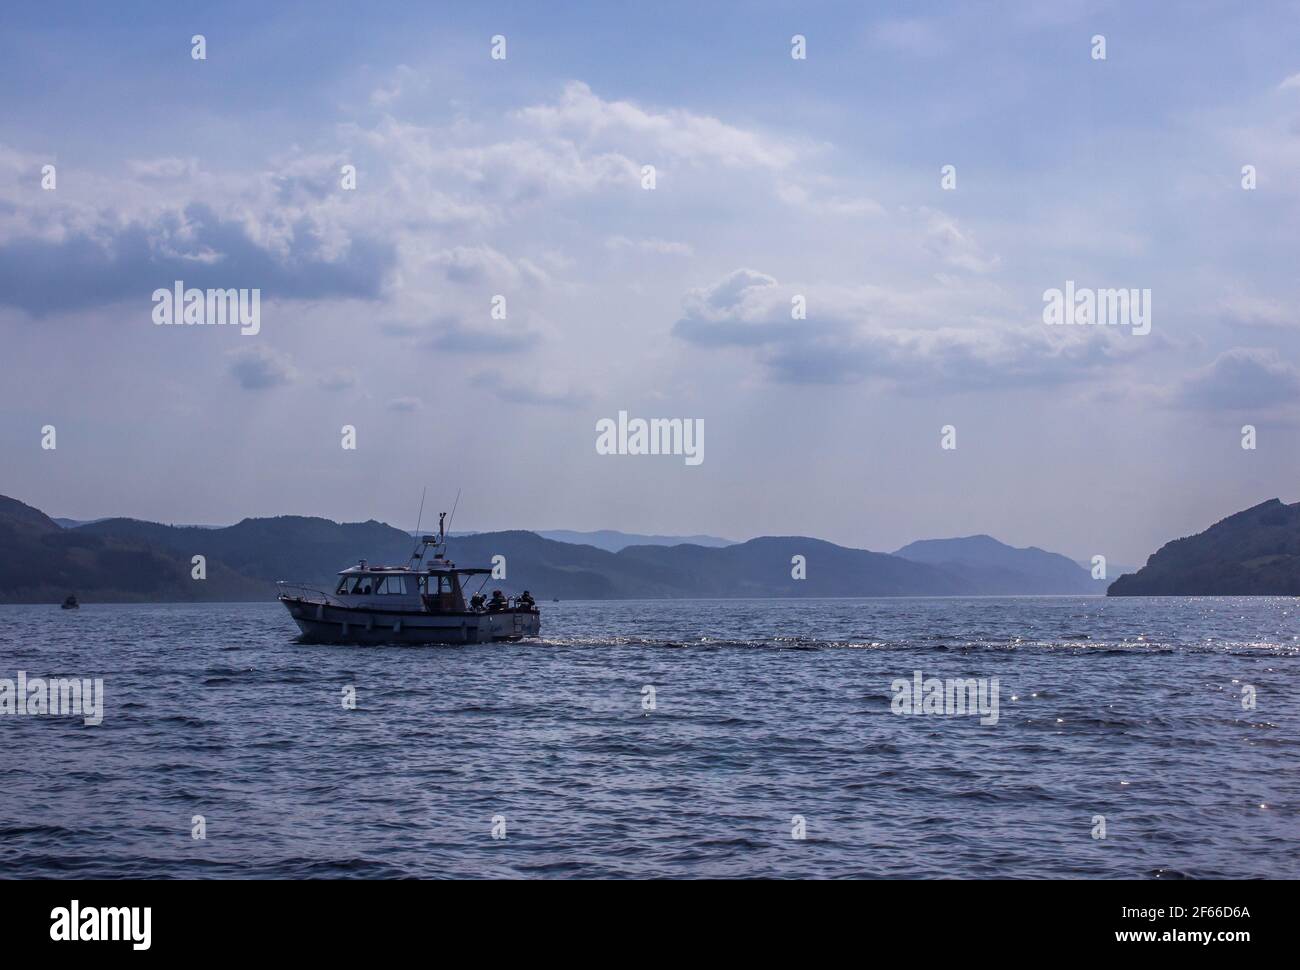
355, 585
365, 585
391, 585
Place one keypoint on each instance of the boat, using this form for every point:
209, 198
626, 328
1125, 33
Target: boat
71, 603
423, 601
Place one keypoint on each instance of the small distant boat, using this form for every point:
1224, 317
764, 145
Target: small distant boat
71, 603
416, 603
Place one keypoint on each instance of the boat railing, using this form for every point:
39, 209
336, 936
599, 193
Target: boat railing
302, 591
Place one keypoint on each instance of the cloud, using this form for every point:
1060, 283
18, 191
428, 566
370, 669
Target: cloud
117, 263
947, 240
1290, 83
291, 230
743, 308
843, 340
258, 368
1243, 378
676, 134
462, 175
821, 200
402, 79
479, 264
1253, 311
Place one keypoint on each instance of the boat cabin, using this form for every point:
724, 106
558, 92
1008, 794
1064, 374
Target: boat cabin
435, 589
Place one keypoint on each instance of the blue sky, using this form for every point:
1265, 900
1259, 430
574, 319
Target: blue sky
776, 178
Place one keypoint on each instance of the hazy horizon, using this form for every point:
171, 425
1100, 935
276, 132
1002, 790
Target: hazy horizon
777, 179
545, 531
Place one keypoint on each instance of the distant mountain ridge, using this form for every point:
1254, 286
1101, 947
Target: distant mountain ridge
612, 540
1255, 552
1004, 568
78, 523
120, 559
40, 561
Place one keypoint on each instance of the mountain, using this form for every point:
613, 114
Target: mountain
289, 547
77, 523
612, 541
312, 550
130, 560
1252, 553
40, 561
999, 568
762, 567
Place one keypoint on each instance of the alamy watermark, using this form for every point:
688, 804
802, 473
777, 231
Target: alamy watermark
41, 695
76, 923
198, 307
655, 436
956, 695
1082, 306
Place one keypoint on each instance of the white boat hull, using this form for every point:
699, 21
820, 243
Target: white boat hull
328, 623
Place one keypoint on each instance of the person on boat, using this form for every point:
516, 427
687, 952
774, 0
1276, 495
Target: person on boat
498, 600
526, 600
476, 601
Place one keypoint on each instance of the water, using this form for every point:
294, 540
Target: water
1127, 708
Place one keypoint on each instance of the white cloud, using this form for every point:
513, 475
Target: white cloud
483, 264
821, 200
1255, 311
954, 245
867, 334
652, 136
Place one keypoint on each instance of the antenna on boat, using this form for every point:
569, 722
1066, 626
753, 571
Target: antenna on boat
417, 554
420, 518
453, 512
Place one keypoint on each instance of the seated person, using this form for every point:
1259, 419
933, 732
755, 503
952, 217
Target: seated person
498, 600
526, 599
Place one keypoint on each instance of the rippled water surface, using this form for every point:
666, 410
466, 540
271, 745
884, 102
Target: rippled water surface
1126, 708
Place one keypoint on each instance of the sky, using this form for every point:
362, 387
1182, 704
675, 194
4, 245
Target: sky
777, 181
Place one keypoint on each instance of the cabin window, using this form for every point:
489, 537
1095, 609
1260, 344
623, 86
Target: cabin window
343, 586
362, 585
392, 586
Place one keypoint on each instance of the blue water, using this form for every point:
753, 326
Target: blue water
1127, 708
